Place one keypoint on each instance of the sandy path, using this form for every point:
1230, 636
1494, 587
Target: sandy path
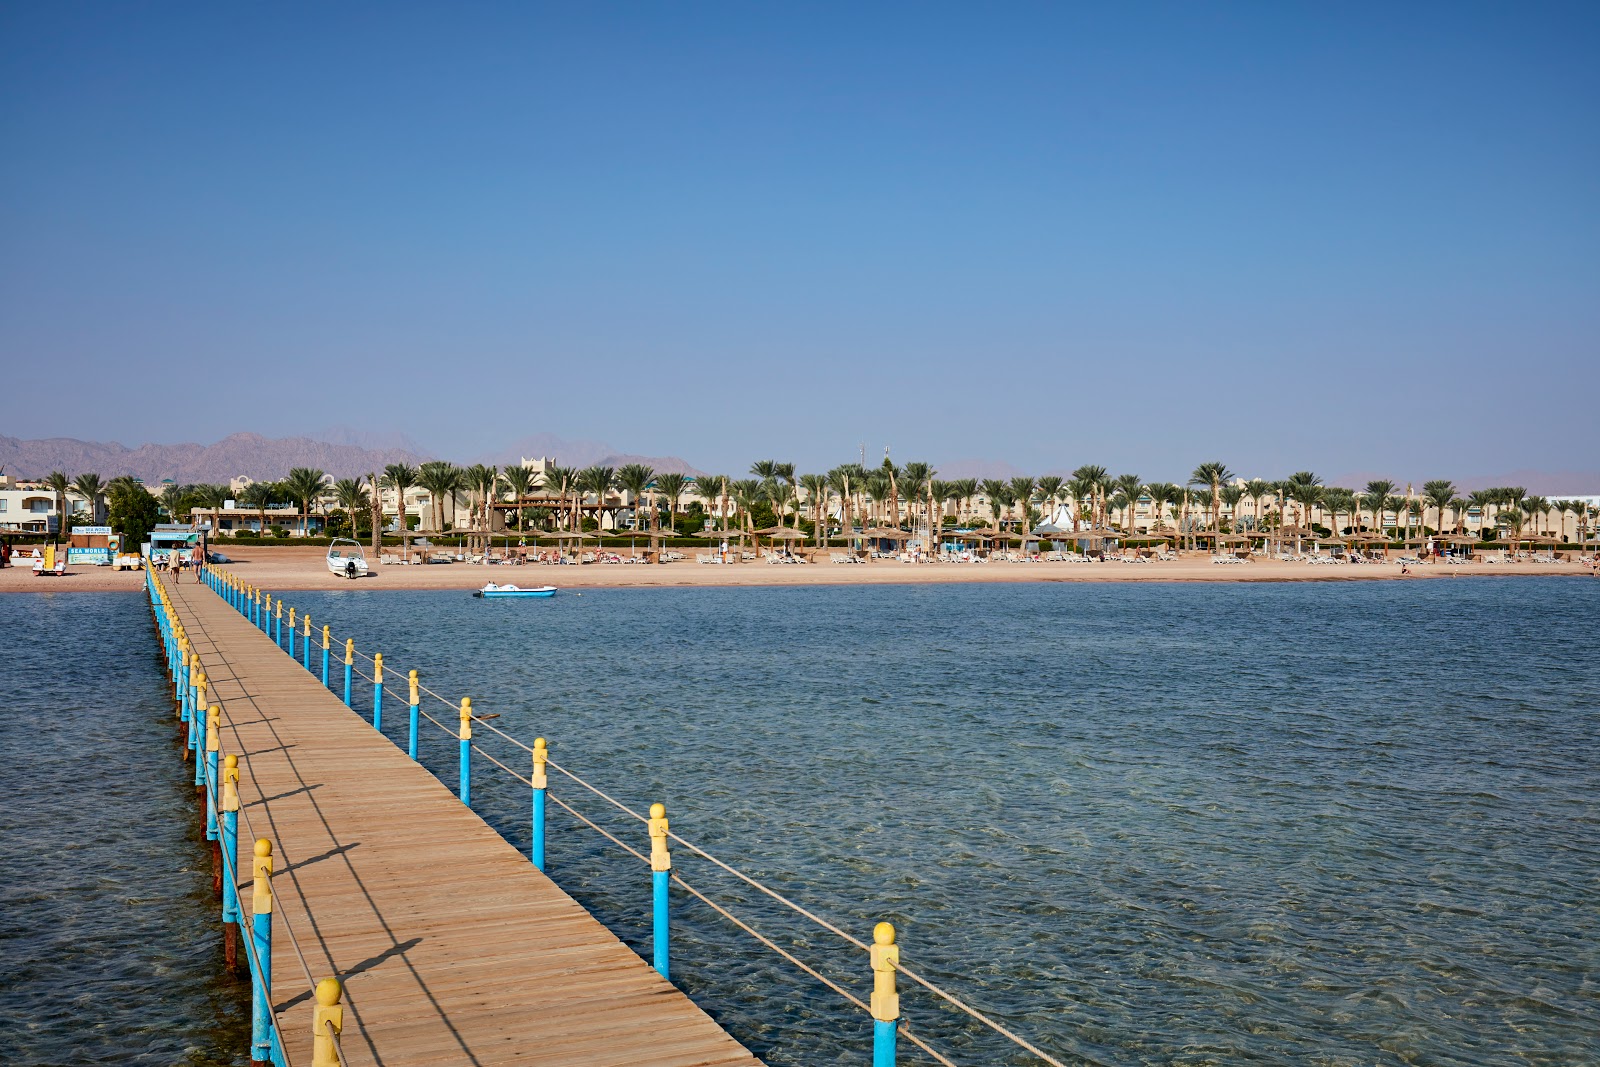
298, 567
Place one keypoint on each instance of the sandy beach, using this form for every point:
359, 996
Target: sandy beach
297, 567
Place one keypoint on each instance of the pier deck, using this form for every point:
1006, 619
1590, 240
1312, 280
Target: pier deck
453, 947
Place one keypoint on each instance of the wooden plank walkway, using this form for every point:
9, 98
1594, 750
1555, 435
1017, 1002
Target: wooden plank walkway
453, 948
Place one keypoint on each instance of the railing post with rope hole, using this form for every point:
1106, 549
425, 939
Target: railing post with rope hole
660, 874
327, 641
182, 680
377, 691
349, 666
305, 646
202, 721
261, 954
213, 767
291, 633
466, 751
541, 782
885, 1001
200, 687
415, 709
266, 614
327, 1022
229, 852
277, 625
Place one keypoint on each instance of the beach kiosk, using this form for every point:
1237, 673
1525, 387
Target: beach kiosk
95, 545
168, 538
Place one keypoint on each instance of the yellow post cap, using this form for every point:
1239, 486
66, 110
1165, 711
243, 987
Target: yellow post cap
263, 847
349, 650
230, 761
329, 991
883, 934
658, 811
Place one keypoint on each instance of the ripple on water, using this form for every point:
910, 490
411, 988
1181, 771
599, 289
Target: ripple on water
109, 942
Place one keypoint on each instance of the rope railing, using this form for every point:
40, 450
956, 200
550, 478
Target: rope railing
221, 829
893, 962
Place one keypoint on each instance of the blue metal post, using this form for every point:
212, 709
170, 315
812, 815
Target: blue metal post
466, 751
537, 851
277, 626
325, 657
261, 1002
660, 873
883, 1035
349, 667
213, 761
377, 692
230, 867
200, 723
661, 946
291, 633
262, 1048
540, 780
305, 648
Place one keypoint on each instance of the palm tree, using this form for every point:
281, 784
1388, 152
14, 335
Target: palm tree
993, 490
304, 485
1439, 493
634, 479
1304, 488
916, 479
841, 480
401, 477
816, 487
672, 486
1092, 482
352, 497
1379, 495
259, 495
1129, 486
1022, 488
713, 489
441, 479
560, 482
1050, 489
91, 489
1212, 475
745, 493
784, 472
942, 493
599, 481
1231, 496
484, 483
1161, 494
519, 480
59, 484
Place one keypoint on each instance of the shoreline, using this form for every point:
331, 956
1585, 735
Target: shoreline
298, 569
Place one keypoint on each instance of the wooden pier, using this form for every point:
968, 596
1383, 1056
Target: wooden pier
452, 947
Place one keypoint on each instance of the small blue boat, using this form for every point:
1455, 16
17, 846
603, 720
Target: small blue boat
493, 590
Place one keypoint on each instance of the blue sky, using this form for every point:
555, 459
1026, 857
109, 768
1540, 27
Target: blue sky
1337, 237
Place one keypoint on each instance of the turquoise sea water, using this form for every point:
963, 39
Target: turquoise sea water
1167, 824
109, 944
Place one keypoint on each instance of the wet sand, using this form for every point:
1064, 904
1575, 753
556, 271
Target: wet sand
302, 567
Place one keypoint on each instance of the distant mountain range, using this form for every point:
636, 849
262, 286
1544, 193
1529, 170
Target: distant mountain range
237, 454
264, 458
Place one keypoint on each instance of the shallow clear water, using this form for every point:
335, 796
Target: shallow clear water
1141, 823
109, 942
1177, 824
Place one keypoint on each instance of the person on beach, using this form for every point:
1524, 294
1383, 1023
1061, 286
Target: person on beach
5, 554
